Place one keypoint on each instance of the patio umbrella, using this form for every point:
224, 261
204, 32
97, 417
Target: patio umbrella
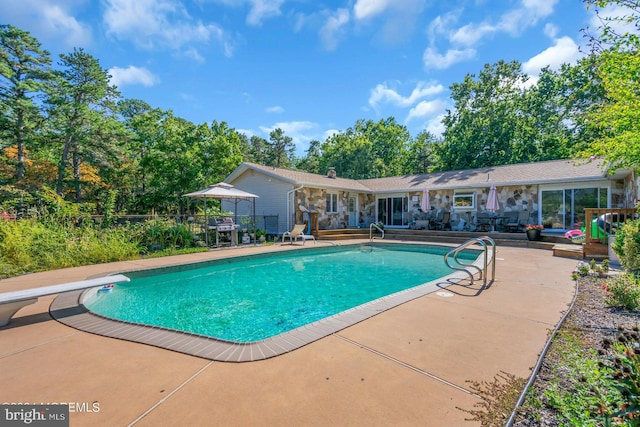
221, 190
492, 200
425, 205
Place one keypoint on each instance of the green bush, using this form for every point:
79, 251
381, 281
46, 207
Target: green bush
623, 290
627, 245
163, 233
583, 392
624, 370
30, 245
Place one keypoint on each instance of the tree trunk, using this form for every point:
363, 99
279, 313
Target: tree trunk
20, 170
63, 164
76, 174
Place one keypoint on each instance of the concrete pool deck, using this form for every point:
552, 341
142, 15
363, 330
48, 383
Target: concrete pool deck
406, 366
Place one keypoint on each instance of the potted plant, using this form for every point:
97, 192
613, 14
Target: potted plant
533, 231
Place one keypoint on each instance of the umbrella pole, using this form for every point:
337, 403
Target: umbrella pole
206, 224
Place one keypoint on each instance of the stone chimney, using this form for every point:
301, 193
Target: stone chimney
331, 173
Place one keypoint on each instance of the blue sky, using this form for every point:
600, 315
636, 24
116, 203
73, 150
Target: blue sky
310, 67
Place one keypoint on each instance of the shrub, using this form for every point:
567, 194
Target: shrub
625, 376
162, 233
623, 290
627, 245
30, 245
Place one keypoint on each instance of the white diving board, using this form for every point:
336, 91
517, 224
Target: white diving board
11, 302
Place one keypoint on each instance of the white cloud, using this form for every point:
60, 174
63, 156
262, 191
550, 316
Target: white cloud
333, 28
132, 76
539, 8
513, 21
563, 51
551, 31
383, 94
75, 33
471, 34
276, 109
518, 19
433, 59
194, 54
435, 126
426, 109
48, 21
158, 24
364, 9
259, 10
262, 9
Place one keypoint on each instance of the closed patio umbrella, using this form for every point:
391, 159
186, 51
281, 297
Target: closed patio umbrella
425, 205
492, 200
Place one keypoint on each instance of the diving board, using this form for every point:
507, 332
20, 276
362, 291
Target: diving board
11, 302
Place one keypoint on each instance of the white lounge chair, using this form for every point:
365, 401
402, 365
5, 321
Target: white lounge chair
298, 233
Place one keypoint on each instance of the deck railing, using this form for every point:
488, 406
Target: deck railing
600, 221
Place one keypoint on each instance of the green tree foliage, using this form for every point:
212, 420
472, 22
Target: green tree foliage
501, 118
82, 117
279, 149
171, 164
420, 155
311, 161
221, 152
367, 150
24, 68
618, 46
554, 112
484, 123
257, 150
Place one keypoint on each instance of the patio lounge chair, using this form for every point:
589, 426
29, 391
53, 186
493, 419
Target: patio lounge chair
298, 233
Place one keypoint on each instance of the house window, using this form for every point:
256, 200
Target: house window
464, 201
332, 203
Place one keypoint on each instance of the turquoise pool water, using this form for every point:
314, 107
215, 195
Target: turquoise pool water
252, 298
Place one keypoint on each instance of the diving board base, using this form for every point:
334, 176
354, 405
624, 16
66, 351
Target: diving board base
7, 310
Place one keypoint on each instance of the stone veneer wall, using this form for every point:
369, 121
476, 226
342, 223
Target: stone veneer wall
511, 198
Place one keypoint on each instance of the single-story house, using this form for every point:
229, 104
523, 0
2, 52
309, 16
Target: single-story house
554, 193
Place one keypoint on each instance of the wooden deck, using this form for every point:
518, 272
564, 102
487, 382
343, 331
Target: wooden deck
552, 242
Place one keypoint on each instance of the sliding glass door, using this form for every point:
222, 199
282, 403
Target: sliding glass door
563, 209
392, 211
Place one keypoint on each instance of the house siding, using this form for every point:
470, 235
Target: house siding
272, 200
518, 188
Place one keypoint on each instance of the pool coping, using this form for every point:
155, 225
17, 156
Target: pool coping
68, 309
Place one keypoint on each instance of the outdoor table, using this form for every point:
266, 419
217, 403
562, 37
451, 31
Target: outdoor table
493, 220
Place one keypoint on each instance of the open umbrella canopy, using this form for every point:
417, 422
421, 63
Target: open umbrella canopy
221, 190
492, 200
425, 205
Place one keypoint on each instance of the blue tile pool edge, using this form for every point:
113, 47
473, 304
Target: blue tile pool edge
68, 309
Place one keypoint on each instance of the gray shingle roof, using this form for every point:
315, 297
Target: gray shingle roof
519, 174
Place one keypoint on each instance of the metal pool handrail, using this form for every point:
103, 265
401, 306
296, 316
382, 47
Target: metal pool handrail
371, 227
482, 241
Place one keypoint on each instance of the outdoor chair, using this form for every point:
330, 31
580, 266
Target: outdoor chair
511, 222
483, 222
298, 233
442, 221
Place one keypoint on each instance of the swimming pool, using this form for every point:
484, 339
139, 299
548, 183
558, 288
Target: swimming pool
248, 299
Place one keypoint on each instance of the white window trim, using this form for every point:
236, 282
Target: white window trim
466, 194
335, 207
